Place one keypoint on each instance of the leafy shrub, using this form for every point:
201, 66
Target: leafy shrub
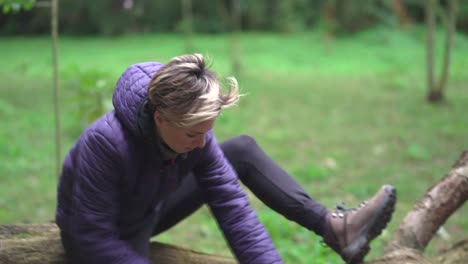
87, 89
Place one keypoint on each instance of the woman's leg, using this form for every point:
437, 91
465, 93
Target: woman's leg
347, 231
180, 204
269, 182
272, 185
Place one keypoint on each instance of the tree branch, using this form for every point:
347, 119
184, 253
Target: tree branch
431, 212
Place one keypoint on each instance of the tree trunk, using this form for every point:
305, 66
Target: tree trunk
450, 30
436, 90
399, 10
236, 27
328, 15
430, 21
40, 244
54, 36
187, 25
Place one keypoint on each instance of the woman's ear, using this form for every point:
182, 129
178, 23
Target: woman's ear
158, 119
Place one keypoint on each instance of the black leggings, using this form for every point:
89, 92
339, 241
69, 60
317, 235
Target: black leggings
269, 182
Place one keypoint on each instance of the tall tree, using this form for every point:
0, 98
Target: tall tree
430, 21
328, 16
400, 11
54, 35
236, 27
187, 24
436, 89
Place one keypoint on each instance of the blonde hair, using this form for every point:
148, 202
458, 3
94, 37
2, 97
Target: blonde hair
186, 92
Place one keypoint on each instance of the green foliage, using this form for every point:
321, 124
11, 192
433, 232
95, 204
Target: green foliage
318, 172
5, 108
112, 18
88, 91
16, 5
417, 152
295, 245
314, 172
109, 17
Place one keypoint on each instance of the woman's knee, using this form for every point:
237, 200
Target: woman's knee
245, 142
239, 146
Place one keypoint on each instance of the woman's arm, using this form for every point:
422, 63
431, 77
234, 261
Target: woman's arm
95, 204
247, 237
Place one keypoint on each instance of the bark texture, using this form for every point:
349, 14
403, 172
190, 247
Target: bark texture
40, 244
403, 255
457, 254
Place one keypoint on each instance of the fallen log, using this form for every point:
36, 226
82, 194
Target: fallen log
457, 254
40, 244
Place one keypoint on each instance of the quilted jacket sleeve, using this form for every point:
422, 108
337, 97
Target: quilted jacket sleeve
246, 236
95, 205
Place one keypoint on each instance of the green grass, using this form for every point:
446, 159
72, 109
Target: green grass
343, 117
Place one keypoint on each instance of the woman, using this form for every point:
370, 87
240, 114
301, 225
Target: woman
153, 160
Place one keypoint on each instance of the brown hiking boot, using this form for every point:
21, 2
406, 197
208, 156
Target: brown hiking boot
349, 231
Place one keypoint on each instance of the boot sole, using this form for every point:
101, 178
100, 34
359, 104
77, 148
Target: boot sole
355, 253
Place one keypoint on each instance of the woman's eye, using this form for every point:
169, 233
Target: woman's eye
191, 136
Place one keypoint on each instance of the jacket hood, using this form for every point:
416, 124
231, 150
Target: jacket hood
130, 94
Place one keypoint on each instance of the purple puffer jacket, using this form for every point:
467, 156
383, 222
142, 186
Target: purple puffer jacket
113, 181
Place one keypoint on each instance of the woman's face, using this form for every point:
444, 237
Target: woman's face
183, 140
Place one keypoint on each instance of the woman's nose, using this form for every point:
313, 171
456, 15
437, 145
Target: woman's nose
201, 142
